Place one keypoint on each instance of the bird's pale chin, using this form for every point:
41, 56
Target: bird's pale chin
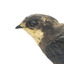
37, 35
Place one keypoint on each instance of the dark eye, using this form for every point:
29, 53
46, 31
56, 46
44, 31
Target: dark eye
31, 23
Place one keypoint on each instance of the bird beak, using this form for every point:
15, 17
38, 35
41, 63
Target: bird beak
21, 25
17, 27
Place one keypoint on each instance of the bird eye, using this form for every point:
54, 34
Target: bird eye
31, 23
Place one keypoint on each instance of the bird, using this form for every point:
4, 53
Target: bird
48, 34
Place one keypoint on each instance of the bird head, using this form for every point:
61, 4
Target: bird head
37, 25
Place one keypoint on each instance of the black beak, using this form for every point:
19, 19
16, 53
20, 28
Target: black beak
19, 27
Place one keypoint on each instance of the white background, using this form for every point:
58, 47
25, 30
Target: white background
16, 46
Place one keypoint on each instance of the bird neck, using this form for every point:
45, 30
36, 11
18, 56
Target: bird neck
48, 36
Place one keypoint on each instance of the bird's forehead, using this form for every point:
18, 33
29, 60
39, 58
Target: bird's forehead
33, 17
38, 17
